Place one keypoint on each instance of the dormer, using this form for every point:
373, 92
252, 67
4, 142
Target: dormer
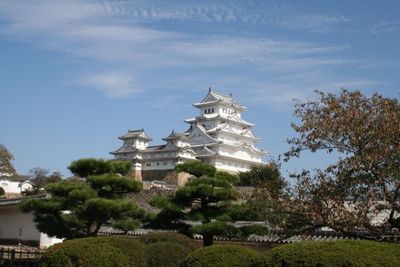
177, 140
137, 139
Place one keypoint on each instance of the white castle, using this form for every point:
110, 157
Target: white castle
218, 136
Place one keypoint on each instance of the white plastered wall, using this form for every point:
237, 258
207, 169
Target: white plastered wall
14, 224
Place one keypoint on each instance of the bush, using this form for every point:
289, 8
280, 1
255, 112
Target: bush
166, 254
220, 256
132, 248
155, 250
2, 192
169, 237
337, 253
96, 251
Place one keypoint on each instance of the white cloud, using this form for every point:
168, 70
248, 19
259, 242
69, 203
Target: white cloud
122, 34
313, 22
386, 27
113, 84
96, 31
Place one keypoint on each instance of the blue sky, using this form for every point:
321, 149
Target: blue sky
75, 75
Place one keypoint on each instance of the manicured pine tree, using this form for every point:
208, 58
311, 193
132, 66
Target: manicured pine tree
207, 199
79, 208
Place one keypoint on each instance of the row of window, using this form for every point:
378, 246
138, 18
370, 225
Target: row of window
224, 110
234, 164
209, 110
165, 163
160, 155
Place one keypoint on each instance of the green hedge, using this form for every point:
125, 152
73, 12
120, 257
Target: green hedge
170, 237
156, 249
220, 256
166, 254
335, 253
86, 252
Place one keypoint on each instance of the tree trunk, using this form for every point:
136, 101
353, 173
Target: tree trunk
208, 240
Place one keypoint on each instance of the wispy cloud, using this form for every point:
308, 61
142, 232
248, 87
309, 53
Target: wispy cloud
234, 12
113, 84
386, 27
313, 22
123, 34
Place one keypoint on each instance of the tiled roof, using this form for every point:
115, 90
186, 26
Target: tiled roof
215, 97
176, 135
136, 134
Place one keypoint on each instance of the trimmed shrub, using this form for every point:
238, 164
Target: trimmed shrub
2, 192
166, 254
132, 248
220, 256
335, 253
169, 237
96, 251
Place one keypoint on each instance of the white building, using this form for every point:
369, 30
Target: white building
11, 186
18, 227
218, 136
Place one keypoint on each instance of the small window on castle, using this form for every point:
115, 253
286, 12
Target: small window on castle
212, 110
158, 164
148, 164
165, 163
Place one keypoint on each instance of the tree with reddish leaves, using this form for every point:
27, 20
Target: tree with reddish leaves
360, 192
6, 167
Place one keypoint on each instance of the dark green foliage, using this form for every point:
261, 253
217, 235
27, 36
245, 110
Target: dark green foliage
101, 251
232, 178
153, 250
79, 209
169, 237
196, 168
2, 192
121, 167
113, 186
268, 197
89, 252
91, 166
207, 199
166, 254
220, 256
330, 254
132, 248
266, 175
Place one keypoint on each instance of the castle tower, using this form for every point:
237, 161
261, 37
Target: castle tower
134, 143
220, 136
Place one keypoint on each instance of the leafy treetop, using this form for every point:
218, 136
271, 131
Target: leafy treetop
91, 166
365, 132
6, 166
79, 208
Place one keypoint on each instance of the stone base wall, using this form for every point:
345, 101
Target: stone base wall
150, 175
137, 175
168, 176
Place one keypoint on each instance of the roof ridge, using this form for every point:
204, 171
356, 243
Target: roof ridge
221, 94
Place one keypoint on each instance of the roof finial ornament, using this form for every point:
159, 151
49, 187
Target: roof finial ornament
209, 89
230, 94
